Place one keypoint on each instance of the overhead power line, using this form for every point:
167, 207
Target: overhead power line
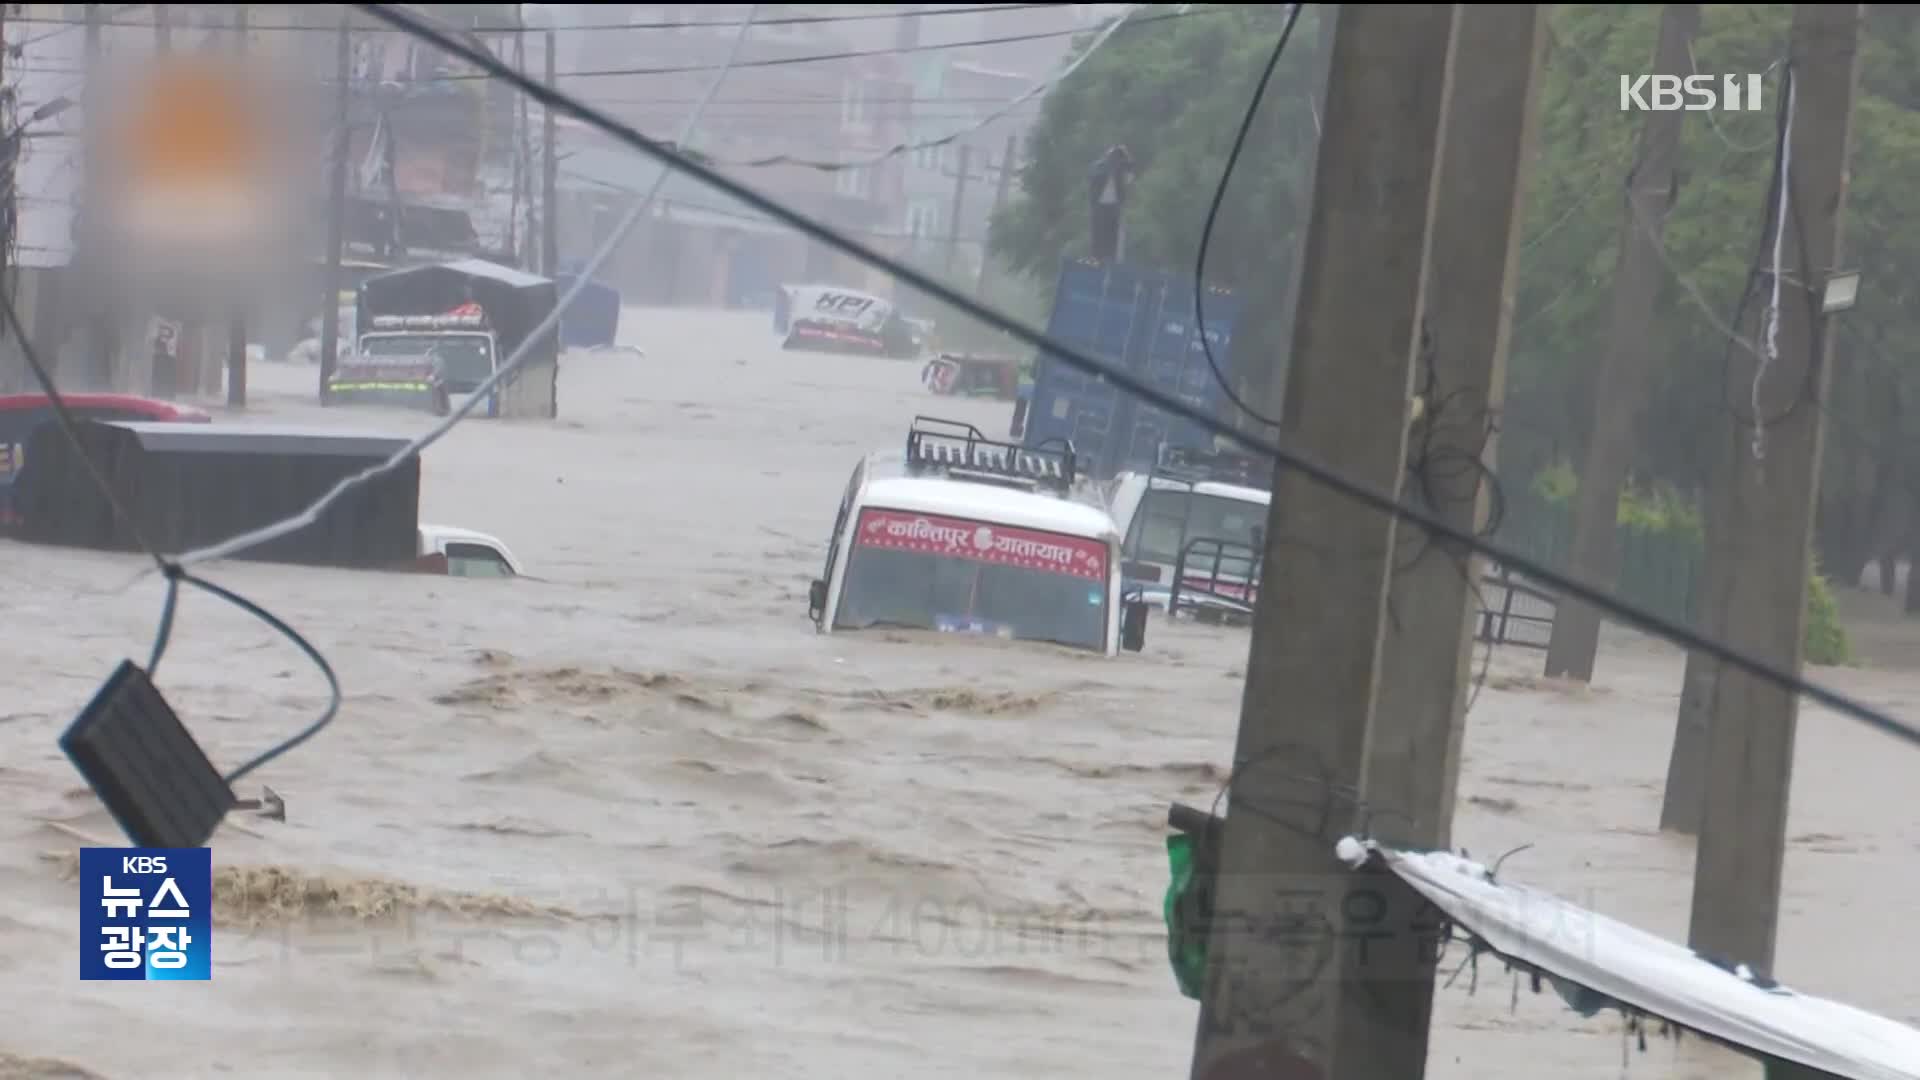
716, 24
855, 54
786, 61
899, 149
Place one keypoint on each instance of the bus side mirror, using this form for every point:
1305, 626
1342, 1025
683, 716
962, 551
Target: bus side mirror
816, 599
1133, 625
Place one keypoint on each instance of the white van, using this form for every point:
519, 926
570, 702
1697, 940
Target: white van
964, 534
457, 552
1202, 509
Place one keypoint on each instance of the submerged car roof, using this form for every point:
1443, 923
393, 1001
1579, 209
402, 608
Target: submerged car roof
1204, 487
889, 485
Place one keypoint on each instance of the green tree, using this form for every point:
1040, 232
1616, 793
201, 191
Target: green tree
1173, 91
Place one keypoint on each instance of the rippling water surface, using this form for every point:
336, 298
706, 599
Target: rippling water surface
636, 818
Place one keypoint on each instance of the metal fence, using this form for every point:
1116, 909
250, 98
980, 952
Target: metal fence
1659, 571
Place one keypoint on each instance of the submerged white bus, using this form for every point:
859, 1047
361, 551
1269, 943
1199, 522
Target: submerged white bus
964, 534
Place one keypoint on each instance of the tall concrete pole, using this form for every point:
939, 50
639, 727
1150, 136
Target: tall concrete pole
1771, 490
1275, 1001
1618, 385
1419, 717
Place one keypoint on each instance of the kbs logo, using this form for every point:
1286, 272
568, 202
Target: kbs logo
1694, 93
146, 914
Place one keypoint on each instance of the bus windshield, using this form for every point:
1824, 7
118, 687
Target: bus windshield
466, 360
1165, 517
936, 573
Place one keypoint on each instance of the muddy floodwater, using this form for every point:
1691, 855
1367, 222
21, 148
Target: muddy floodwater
631, 816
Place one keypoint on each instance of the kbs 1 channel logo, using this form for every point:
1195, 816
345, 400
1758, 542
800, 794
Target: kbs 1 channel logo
1693, 93
146, 914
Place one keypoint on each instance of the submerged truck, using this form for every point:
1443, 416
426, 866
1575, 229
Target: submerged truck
1142, 322
449, 327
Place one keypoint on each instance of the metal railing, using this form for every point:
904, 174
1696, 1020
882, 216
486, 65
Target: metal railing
1513, 612
1217, 580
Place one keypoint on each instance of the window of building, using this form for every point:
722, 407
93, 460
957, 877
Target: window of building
854, 183
923, 217
855, 104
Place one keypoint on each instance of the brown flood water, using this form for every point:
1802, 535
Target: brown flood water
636, 818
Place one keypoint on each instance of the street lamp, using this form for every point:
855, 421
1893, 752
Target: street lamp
1843, 289
50, 109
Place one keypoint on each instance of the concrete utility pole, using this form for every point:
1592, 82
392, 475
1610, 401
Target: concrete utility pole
550, 207
1001, 190
960, 176
1413, 764
1280, 993
1617, 387
337, 207
1683, 802
1769, 507
237, 329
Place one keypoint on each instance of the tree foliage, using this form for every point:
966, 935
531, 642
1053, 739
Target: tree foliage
1174, 92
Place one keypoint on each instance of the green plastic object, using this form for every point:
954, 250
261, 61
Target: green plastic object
1186, 936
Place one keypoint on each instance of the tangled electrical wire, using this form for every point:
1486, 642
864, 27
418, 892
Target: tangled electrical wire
1312, 470
171, 570
1772, 224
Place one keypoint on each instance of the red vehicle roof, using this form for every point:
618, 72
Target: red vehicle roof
145, 408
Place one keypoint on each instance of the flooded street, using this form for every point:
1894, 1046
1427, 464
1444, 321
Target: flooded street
632, 816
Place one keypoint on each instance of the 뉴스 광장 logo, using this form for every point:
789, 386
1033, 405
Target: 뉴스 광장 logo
146, 914
1694, 93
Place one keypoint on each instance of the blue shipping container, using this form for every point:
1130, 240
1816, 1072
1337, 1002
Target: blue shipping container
1142, 322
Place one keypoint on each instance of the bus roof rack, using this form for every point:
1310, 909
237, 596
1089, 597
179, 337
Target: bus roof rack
962, 452
1190, 465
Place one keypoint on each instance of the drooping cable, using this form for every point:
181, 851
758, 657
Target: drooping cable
1770, 342
1213, 216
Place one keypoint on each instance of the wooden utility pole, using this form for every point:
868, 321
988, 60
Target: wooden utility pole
9, 205
103, 343
519, 244
163, 367
1617, 387
390, 153
550, 202
237, 328
1769, 504
1280, 981
960, 177
1413, 764
1002, 188
337, 207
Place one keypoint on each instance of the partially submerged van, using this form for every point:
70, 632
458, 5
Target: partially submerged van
964, 534
1194, 530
